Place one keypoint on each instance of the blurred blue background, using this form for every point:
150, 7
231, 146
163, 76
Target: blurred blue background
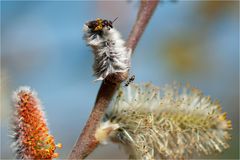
42, 46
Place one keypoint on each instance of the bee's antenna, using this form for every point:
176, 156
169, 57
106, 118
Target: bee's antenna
114, 19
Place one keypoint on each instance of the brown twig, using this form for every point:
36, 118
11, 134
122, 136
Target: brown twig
144, 14
87, 142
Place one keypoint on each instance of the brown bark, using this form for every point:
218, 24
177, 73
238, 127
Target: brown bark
86, 143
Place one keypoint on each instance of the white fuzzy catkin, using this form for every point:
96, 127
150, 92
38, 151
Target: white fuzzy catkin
172, 123
110, 54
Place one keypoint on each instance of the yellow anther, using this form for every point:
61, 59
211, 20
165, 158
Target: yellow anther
229, 124
59, 145
223, 116
55, 155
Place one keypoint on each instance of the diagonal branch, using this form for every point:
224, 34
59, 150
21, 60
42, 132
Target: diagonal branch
144, 14
87, 142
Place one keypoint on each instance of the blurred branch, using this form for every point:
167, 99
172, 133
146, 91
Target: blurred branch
145, 12
87, 142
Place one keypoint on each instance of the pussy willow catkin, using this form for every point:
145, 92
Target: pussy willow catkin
110, 54
31, 137
171, 123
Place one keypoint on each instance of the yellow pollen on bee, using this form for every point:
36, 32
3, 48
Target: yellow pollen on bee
99, 20
99, 27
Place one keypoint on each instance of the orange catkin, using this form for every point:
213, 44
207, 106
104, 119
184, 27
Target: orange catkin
32, 139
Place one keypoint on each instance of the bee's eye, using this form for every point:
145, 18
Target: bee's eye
105, 23
92, 24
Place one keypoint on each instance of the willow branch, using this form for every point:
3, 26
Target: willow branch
144, 15
87, 142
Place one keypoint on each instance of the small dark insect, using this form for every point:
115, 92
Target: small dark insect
99, 24
131, 79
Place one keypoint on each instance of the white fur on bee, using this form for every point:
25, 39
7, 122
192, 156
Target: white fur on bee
110, 54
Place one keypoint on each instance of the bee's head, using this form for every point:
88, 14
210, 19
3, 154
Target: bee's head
99, 24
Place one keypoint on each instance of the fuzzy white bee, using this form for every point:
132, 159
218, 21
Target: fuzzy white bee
110, 54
